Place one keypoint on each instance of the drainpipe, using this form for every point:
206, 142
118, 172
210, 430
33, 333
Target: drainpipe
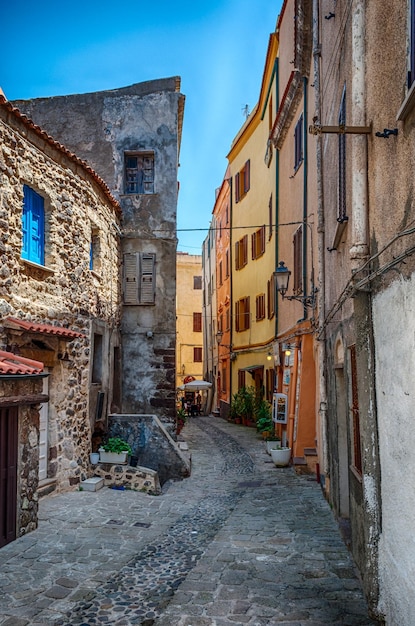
359, 250
305, 193
277, 197
322, 356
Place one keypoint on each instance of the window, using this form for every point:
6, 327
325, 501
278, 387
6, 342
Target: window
242, 314
298, 260
220, 323
139, 173
243, 181
270, 383
271, 297
357, 451
197, 282
241, 253
197, 322
341, 194
33, 226
260, 307
220, 273
94, 251
258, 242
227, 264
197, 355
139, 278
298, 143
97, 359
241, 379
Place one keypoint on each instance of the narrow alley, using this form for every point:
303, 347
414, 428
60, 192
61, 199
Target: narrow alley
239, 542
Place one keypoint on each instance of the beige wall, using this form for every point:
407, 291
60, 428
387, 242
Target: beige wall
188, 301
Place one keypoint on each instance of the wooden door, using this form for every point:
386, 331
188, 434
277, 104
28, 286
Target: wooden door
43, 434
8, 473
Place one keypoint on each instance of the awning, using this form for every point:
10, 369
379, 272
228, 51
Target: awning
43, 329
11, 364
252, 368
196, 385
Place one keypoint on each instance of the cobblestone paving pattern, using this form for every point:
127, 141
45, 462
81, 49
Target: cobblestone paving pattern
239, 542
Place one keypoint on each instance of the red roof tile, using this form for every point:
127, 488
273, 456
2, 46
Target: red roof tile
12, 364
44, 329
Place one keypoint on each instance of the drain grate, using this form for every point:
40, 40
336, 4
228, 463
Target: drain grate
142, 524
115, 522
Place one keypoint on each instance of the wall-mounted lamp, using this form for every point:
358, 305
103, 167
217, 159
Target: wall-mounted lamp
269, 356
219, 336
282, 277
329, 16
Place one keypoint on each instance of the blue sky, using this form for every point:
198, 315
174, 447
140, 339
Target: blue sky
218, 48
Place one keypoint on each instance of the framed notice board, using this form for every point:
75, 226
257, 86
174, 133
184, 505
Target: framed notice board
280, 408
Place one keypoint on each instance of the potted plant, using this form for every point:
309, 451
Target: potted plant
272, 441
115, 450
281, 456
264, 423
181, 419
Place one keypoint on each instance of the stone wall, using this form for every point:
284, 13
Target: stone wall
151, 444
64, 291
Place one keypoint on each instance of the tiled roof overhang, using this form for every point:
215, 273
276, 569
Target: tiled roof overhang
43, 329
11, 364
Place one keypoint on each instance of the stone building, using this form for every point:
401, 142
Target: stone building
131, 138
59, 315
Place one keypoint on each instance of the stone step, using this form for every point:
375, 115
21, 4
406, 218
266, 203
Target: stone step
92, 484
310, 452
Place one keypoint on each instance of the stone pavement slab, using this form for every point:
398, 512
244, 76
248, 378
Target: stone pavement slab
239, 542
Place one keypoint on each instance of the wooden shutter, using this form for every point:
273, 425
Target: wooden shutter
247, 176
237, 320
298, 260
130, 278
197, 322
237, 264
237, 188
147, 282
33, 226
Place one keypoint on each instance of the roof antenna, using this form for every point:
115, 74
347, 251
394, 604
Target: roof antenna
245, 111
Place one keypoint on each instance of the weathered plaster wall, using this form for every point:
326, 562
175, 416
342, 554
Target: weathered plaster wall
394, 388
100, 127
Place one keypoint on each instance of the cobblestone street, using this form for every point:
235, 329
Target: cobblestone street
239, 542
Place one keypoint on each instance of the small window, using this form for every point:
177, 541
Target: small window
197, 282
298, 143
260, 307
241, 379
271, 297
197, 355
227, 264
243, 181
258, 243
228, 319
94, 252
33, 226
197, 322
97, 359
220, 273
139, 173
241, 253
242, 314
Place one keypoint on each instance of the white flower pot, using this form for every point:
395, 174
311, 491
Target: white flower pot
281, 457
94, 458
113, 457
271, 444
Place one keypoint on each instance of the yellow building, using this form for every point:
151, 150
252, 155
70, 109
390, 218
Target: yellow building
252, 167
189, 337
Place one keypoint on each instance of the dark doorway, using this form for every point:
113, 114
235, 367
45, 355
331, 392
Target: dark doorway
8, 474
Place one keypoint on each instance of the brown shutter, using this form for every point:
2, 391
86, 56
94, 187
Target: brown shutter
130, 278
247, 176
237, 189
147, 282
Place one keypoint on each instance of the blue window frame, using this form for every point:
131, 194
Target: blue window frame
33, 226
